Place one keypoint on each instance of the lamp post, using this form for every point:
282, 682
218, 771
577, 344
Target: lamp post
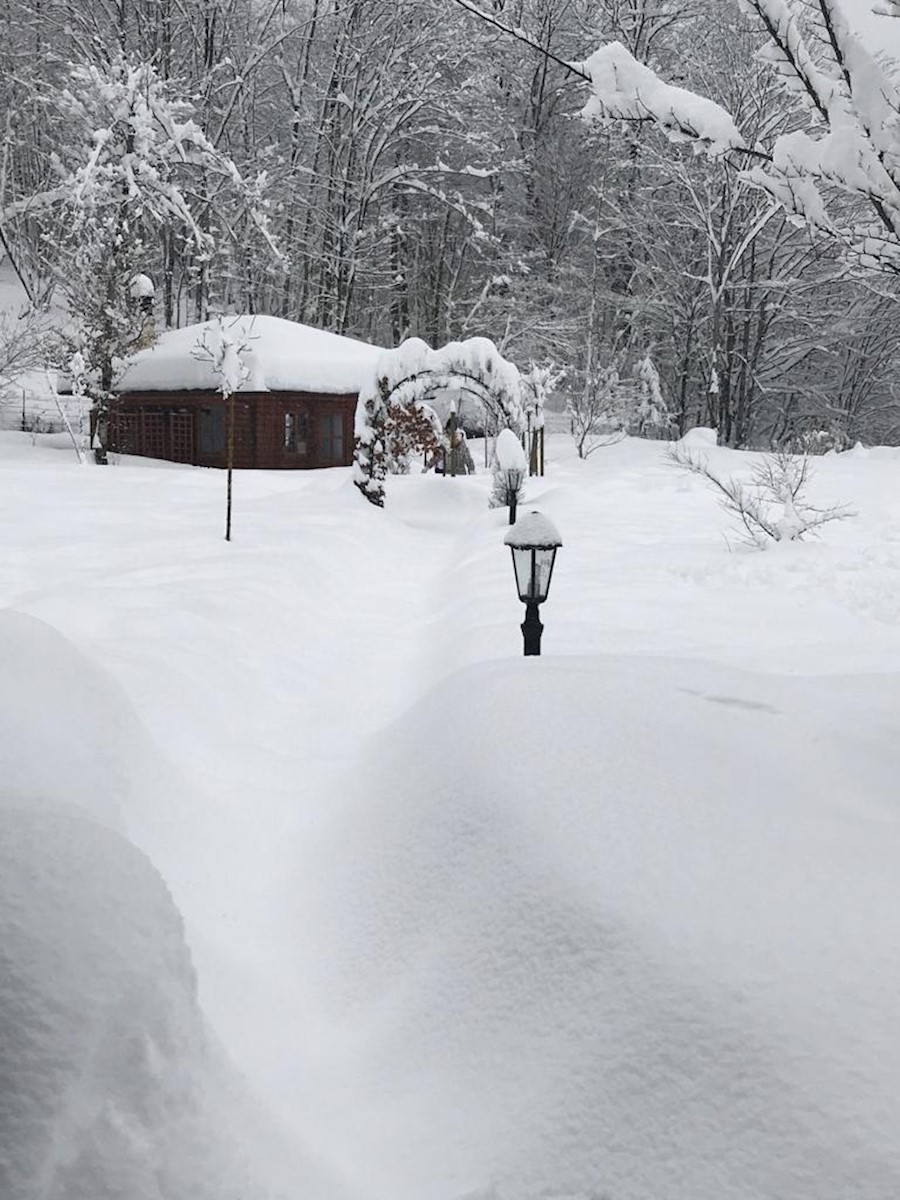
514, 477
533, 540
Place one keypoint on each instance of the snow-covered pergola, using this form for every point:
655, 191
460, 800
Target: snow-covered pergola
413, 371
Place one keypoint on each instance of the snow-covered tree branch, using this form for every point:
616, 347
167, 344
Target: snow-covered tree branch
849, 102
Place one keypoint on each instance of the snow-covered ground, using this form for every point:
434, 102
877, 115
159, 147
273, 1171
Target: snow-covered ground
620, 922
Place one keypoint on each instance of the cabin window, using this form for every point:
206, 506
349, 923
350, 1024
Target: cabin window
212, 430
296, 432
331, 438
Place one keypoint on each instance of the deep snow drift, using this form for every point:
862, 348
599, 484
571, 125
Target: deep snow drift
111, 1086
619, 921
615, 927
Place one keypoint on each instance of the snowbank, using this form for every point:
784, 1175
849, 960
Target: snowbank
67, 732
614, 927
108, 1084
280, 356
699, 438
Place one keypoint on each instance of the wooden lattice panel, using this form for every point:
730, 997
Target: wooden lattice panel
153, 435
181, 437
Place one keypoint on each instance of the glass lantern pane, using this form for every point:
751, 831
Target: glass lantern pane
522, 565
543, 565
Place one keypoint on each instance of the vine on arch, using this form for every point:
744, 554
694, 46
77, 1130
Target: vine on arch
404, 376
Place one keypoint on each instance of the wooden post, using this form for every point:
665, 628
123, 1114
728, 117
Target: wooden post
452, 424
230, 465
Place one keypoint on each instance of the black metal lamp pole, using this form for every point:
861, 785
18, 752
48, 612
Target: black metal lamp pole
514, 479
534, 541
532, 629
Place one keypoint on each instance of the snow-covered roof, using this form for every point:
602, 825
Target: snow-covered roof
281, 356
533, 529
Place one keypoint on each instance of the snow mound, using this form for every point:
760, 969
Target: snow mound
551, 963
281, 356
699, 439
67, 731
106, 1073
109, 1084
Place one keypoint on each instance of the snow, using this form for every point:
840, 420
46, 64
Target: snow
619, 920
533, 529
509, 453
699, 438
108, 1078
618, 954
625, 89
281, 356
141, 287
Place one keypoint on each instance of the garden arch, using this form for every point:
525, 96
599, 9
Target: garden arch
412, 372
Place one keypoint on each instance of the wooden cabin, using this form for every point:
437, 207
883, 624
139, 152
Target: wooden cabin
294, 409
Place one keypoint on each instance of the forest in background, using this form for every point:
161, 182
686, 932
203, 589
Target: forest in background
388, 168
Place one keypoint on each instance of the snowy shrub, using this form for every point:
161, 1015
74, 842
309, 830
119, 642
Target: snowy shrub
651, 415
599, 414
458, 457
819, 441
26, 343
771, 506
538, 382
609, 407
510, 467
412, 432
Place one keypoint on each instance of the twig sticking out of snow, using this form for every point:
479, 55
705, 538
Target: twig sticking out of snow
771, 506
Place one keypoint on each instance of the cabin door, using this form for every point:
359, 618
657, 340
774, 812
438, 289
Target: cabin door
331, 439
